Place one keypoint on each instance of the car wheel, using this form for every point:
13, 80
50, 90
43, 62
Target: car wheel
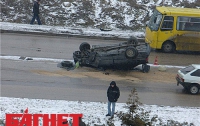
145, 68
67, 64
168, 47
133, 40
131, 52
84, 46
194, 89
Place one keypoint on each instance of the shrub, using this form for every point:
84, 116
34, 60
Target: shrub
132, 117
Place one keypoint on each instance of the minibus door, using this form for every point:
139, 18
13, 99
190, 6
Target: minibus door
166, 30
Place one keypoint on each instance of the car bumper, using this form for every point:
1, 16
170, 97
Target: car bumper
178, 81
184, 84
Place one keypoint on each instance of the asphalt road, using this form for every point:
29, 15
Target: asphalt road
43, 79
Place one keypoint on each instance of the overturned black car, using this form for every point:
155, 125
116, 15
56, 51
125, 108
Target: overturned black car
125, 55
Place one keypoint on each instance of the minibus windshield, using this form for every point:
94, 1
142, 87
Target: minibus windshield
155, 20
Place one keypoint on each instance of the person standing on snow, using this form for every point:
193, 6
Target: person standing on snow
113, 94
36, 12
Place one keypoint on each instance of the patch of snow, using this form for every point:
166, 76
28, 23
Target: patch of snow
94, 112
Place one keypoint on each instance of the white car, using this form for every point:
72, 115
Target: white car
189, 78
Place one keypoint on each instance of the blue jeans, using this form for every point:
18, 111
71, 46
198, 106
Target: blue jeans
36, 16
111, 113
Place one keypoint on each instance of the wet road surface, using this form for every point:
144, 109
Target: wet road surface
43, 79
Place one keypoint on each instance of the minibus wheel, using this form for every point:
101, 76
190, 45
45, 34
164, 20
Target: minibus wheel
168, 47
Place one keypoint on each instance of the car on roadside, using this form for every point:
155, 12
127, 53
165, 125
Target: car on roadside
124, 55
189, 78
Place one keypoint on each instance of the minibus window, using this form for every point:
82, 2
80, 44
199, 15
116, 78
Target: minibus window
155, 20
188, 24
167, 23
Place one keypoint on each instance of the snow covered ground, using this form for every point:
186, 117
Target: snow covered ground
93, 112
69, 30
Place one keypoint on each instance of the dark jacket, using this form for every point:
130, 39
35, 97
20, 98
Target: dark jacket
113, 93
36, 8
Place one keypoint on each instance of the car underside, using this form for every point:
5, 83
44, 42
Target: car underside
125, 55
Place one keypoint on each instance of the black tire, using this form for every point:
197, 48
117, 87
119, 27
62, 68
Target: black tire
194, 89
131, 52
133, 40
84, 46
168, 47
67, 64
145, 68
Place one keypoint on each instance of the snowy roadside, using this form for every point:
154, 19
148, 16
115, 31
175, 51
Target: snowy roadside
69, 31
93, 112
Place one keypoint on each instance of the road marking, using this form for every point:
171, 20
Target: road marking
32, 59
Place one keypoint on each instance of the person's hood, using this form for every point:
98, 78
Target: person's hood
113, 83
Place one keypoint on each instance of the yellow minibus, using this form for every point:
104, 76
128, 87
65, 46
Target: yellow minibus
171, 29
